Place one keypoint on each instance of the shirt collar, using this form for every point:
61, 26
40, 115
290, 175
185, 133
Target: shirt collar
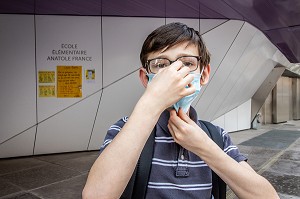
164, 118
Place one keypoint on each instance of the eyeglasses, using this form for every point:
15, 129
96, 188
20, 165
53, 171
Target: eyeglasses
156, 64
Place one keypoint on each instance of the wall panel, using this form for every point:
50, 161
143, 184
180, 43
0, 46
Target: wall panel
123, 38
220, 121
17, 77
218, 42
209, 24
68, 130
236, 119
244, 116
268, 109
265, 89
231, 120
21, 145
117, 101
281, 100
296, 98
223, 80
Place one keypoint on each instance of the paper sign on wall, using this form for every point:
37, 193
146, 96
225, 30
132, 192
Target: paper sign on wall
90, 76
46, 85
47, 91
69, 81
46, 76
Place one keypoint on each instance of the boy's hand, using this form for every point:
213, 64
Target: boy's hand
169, 85
185, 131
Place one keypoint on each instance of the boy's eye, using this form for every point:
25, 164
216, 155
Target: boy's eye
188, 64
160, 65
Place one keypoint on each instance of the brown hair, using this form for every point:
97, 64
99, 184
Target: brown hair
170, 35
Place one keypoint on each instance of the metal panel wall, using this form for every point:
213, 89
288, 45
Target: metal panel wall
291, 99
286, 88
281, 100
296, 98
267, 111
262, 93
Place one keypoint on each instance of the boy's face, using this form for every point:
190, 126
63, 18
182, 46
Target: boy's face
179, 50
182, 49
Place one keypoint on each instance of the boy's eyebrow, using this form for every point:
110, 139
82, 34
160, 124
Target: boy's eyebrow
185, 54
179, 55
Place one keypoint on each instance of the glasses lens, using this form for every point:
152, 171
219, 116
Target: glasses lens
156, 64
191, 62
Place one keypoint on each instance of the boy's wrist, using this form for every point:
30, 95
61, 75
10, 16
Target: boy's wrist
150, 104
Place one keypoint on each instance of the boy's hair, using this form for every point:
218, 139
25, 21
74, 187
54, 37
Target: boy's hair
171, 34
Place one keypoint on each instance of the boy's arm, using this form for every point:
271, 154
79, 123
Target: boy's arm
112, 170
240, 177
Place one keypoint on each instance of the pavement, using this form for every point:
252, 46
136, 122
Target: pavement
273, 150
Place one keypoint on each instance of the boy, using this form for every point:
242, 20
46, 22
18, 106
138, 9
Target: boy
175, 64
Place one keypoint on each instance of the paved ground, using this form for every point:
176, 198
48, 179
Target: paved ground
273, 151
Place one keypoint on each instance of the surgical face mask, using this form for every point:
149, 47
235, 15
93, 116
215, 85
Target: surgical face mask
186, 101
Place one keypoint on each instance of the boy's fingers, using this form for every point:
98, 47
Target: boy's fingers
172, 129
188, 79
175, 120
172, 113
190, 90
184, 71
176, 65
184, 116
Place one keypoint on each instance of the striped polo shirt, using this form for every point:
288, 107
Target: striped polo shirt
177, 172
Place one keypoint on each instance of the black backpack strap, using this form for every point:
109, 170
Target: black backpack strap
219, 186
137, 186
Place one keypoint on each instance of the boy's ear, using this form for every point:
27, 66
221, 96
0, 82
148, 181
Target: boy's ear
205, 75
143, 76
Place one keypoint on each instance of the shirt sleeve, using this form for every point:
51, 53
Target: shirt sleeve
112, 132
231, 149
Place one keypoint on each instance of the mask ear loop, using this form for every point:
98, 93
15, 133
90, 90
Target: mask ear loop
202, 72
147, 73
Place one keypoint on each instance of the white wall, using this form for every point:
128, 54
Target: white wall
66, 123
237, 119
18, 85
240, 63
242, 57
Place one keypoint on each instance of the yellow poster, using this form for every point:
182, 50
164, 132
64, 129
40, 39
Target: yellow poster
46, 76
47, 91
69, 81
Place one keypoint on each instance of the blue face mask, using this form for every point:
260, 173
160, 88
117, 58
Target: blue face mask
186, 101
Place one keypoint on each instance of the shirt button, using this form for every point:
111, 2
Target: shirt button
182, 157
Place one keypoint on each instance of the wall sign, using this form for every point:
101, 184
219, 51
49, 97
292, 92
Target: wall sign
47, 91
46, 76
69, 81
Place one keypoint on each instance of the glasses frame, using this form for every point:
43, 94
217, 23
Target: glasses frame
171, 62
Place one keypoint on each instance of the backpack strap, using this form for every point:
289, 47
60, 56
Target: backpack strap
138, 183
219, 186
